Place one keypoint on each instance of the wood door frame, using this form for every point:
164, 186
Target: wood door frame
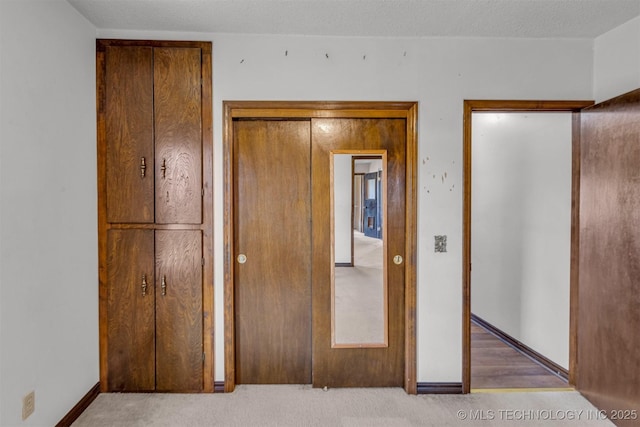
207, 201
322, 109
471, 106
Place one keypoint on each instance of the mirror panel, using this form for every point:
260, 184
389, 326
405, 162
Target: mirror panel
359, 314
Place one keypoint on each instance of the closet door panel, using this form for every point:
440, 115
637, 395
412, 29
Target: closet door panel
366, 366
179, 350
273, 231
178, 116
131, 310
129, 134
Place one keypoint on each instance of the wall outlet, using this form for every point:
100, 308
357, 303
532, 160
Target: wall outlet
28, 405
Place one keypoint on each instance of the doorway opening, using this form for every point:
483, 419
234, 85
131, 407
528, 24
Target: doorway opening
500, 230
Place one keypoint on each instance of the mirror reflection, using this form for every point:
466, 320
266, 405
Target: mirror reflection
359, 286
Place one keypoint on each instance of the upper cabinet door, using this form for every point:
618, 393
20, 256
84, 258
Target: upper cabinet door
178, 135
129, 134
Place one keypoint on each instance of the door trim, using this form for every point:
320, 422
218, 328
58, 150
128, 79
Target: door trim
322, 109
471, 106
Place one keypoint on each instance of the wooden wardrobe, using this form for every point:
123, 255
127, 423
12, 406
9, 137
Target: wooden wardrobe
155, 215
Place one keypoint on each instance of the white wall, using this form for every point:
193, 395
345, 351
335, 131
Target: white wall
521, 227
48, 277
439, 73
617, 61
342, 183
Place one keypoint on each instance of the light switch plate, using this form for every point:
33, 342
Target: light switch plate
440, 243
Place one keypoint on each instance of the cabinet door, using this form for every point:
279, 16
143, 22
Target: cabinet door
179, 351
178, 138
129, 134
130, 311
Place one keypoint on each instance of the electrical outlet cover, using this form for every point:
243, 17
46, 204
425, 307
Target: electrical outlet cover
28, 405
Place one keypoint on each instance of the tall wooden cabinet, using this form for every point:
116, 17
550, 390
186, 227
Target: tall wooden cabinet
155, 215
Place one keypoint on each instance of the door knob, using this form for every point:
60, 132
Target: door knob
242, 258
397, 260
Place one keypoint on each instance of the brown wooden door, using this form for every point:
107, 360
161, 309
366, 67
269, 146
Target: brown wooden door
178, 135
128, 106
179, 356
272, 229
358, 367
608, 315
131, 310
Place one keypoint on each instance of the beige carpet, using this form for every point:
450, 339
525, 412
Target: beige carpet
296, 405
360, 296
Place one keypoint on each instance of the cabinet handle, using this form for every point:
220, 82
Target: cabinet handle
164, 285
163, 168
144, 285
143, 167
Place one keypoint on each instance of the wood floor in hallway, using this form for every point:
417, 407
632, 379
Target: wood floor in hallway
495, 365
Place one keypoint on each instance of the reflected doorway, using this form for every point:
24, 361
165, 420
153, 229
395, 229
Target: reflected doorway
359, 300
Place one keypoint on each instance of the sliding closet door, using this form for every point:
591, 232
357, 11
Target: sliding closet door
370, 364
272, 252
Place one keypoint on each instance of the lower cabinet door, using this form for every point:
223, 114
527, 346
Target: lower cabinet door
131, 310
179, 351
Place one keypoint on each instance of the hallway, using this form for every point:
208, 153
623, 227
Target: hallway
495, 365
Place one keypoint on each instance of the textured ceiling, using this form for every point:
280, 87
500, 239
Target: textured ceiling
385, 18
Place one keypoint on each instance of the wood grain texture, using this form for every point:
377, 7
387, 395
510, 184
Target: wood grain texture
297, 110
229, 251
207, 222
205, 47
574, 270
130, 314
126, 223
411, 249
522, 366
273, 288
318, 109
609, 294
365, 367
103, 295
510, 106
129, 134
178, 135
179, 360
496, 365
